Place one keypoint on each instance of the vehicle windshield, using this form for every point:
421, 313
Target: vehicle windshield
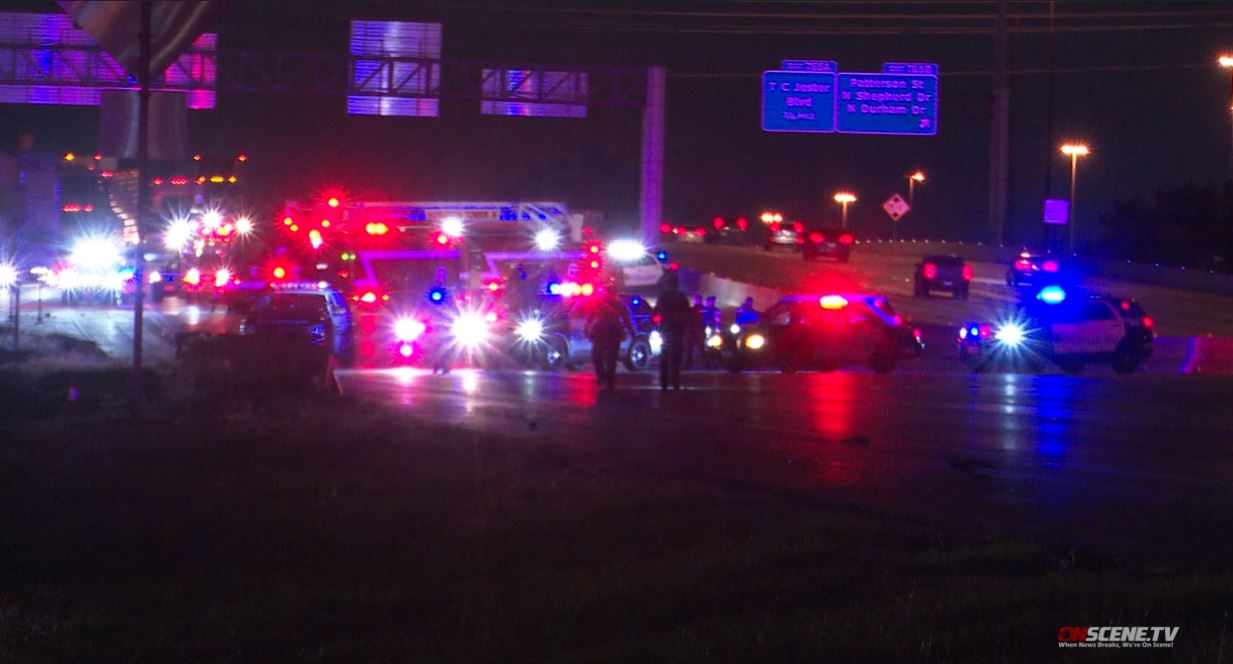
302, 306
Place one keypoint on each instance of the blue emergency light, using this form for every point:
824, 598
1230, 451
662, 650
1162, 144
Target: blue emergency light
1052, 295
437, 295
661, 255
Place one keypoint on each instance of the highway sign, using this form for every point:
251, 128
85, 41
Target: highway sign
896, 207
797, 101
818, 66
1057, 211
882, 103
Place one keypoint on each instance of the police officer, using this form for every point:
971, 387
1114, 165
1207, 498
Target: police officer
607, 322
746, 314
674, 314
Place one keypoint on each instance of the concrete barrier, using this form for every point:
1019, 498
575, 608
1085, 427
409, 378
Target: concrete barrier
1203, 281
1193, 355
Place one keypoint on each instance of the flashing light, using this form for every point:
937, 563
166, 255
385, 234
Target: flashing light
626, 251
406, 349
211, 219
244, 226
192, 277
1049, 266
95, 253
221, 277
1051, 295
241, 157
494, 286
295, 228
452, 226
963, 333
314, 238
547, 239
8, 275
287, 221
279, 272
555, 288
1010, 334
333, 202
408, 329
715, 341
593, 248
200, 179
816, 237
661, 255
530, 331
846, 239
755, 341
587, 290
231, 179
179, 231
734, 329
490, 317
1148, 322
368, 297
832, 302
594, 265
674, 266
930, 271
377, 228
968, 273
154, 277
441, 238
635, 302
69, 156
437, 295
469, 330
217, 179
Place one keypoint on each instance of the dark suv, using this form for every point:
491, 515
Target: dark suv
946, 273
828, 243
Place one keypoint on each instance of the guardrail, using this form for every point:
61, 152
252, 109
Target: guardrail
1206, 281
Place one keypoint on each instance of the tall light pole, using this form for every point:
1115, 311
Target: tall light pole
1226, 61
913, 179
843, 198
1074, 151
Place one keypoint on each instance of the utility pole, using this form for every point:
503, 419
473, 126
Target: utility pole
1049, 143
143, 198
999, 129
651, 194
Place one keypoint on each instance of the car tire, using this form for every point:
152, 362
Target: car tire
638, 357
556, 353
1126, 361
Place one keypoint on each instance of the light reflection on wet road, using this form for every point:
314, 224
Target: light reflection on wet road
1142, 459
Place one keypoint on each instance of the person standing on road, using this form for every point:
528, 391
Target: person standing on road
673, 312
695, 335
607, 323
746, 314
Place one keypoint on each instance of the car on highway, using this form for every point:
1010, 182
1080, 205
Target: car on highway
311, 312
729, 231
685, 233
824, 332
945, 273
552, 336
1070, 328
1034, 269
784, 235
833, 243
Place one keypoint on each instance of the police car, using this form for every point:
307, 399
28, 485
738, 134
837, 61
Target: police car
1070, 327
553, 336
824, 332
313, 312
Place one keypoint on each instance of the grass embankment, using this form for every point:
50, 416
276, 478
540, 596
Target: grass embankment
314, 527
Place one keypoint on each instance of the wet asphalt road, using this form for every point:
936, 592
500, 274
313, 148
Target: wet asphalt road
1133, 465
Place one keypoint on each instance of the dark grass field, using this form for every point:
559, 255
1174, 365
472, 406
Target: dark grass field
314, 527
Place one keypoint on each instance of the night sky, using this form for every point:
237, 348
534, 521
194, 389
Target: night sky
1138, 81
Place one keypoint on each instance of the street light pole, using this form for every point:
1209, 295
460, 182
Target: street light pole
1074, 151
1226, 61
843, 198
918, 176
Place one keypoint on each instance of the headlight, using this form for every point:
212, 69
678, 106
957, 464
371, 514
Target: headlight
469, 330
530, 331
735, 329
755, 341
1009, 334
715, 341
657, 342
408, 329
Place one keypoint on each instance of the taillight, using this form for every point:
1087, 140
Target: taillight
368, 298
1125, 305
657, 319
775, 226
816, 237
665, 228
701, 232
846, 239
968, 273
930, 271
1049, 266
800, 239
1148, 322
1023, 265
677, 230
798, 227
742, 223
718, 223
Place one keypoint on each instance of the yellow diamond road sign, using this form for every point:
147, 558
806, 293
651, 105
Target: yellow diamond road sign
896, 207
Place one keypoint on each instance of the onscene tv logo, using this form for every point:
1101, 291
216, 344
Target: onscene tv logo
1116, 637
